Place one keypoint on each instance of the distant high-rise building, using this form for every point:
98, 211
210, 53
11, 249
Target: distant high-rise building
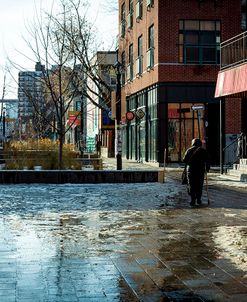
8, 119
30, 94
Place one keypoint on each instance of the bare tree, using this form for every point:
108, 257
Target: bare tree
81, 43
111, 6
47, 43
63, 42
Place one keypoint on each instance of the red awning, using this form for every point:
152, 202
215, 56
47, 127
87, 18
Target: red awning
231, 81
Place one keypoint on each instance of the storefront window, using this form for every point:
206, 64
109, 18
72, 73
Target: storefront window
185, 122
132, 139
124, 141
142, 132
152, 146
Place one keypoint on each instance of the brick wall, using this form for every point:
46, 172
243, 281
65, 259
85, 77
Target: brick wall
233, 115
165, 15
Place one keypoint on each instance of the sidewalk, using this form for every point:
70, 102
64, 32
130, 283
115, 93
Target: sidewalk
122, 242
111, 163
175, 171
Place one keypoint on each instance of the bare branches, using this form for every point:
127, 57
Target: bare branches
111, 6
63, 42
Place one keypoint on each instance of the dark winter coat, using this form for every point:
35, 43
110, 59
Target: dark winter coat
196, 159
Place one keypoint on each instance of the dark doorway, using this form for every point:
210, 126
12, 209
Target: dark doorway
244, 115
213, 133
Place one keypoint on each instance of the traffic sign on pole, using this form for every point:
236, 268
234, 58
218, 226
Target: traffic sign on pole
197, 107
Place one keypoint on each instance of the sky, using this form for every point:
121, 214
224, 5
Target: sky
15, 15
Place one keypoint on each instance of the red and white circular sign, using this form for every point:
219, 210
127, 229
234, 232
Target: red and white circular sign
130, 115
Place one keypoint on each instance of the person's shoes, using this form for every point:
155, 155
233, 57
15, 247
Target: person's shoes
199, 201
192, 203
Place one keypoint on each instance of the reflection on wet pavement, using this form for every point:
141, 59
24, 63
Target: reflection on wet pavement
124, 242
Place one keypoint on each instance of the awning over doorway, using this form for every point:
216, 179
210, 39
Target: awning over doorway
232, 81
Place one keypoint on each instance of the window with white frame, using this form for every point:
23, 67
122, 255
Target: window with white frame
139, 9
130, 65
123, 68
150, 51
130, 15
139, 61
122, 24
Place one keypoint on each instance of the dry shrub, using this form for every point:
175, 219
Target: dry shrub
42, 152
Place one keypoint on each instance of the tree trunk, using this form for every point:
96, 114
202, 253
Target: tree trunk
60, 155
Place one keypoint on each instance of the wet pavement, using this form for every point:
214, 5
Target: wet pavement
122, 242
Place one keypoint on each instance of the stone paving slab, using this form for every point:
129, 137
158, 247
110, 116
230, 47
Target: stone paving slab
121, 242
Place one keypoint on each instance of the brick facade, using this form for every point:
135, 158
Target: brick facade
232, 115
165, 16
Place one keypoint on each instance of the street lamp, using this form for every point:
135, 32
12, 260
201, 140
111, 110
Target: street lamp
118, 115
4, 129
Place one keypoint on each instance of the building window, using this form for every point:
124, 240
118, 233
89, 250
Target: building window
150, 51
243, 14
130, 15
130, 66
139, 61
199, 42
149, 3
122, 31
123, 67
139, 8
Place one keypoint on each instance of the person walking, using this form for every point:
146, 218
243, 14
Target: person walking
196, 161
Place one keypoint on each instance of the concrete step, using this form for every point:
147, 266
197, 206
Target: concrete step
240, 167
243, 161
238, 174
230, 177
234, 173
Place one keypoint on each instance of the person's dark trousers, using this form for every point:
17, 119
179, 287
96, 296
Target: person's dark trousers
195, 187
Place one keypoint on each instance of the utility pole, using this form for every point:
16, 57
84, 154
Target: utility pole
118, 136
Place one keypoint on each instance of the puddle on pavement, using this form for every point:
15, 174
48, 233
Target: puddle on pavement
115, 241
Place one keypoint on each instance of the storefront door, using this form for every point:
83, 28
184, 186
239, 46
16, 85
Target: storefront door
185, 122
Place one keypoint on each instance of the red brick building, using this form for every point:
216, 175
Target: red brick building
169, 51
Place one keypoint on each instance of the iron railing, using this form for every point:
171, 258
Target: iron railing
233, 152
233, 52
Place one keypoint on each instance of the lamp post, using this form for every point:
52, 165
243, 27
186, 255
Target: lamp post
118, 137
222, 137
4, 128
